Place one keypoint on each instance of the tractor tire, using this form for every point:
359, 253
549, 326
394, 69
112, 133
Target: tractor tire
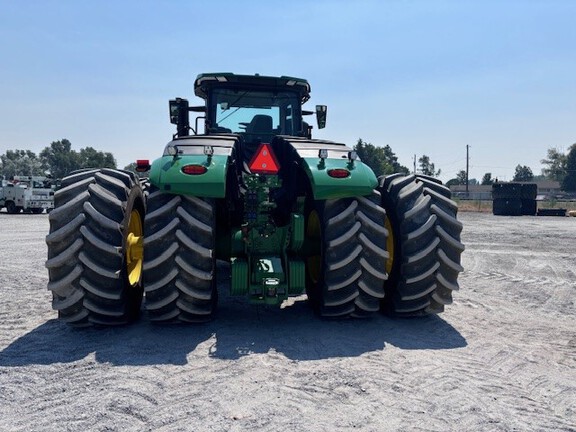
450, 248
345, 276
145, 185
529, 191
415, 247
506, 190
507, 207
551, 212
95, 248
179, 258
529, 207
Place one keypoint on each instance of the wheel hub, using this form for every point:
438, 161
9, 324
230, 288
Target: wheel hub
134, 248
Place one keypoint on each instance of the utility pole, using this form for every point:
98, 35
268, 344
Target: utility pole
467, 166
414, 164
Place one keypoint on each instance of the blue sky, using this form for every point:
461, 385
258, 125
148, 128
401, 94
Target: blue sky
425, 77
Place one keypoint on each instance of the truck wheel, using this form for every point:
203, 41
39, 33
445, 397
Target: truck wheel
345, 272
179, 258
95, 251
11, 208
413, 262
37, 210
448, 229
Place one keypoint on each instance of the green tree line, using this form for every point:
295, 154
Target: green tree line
561, 167
383, 161
58, 159
558, 166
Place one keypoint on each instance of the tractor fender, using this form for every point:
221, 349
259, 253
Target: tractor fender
360, 182
211, 152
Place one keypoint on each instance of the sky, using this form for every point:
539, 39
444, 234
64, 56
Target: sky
424, 77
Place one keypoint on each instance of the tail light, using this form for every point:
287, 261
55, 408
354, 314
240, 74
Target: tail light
338, 173
194, 169
142, 165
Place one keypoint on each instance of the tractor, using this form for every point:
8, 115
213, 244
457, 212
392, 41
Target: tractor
291, 215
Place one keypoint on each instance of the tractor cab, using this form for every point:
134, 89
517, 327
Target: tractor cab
257, 108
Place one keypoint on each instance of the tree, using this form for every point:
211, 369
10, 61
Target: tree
487, 179
427, 167
20, 162
523, 173
91, 158
460, 179
556, 163
382, 160
569, 182
60, 159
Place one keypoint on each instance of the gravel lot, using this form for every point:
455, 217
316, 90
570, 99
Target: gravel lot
502, 357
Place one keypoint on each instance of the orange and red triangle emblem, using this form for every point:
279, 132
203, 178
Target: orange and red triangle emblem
264, 161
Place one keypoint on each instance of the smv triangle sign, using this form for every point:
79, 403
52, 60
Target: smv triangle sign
264, 161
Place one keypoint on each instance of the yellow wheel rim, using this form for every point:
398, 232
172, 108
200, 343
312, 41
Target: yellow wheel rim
389, 246
134, 248
314, 234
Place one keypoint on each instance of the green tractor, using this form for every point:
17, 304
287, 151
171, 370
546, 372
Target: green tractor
291, 214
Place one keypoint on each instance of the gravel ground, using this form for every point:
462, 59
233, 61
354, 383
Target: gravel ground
501, 358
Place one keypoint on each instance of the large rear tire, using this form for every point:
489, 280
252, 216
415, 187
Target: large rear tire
450, 248
424, 248
95, 248
179, 258
346, 273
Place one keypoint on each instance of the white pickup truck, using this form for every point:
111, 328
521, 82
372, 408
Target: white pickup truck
30, 194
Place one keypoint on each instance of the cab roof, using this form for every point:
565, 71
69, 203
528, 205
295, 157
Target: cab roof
206, 81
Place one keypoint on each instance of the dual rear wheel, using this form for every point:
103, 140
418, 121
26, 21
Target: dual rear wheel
95, 248
179, 267
397, 250
346, 269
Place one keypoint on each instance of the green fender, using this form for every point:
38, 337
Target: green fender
212, 152
166, 174
361, 181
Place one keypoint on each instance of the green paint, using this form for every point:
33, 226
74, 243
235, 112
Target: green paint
166, 174
261, 267
361, 181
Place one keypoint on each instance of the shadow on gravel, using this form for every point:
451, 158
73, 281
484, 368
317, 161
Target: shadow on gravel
239, 330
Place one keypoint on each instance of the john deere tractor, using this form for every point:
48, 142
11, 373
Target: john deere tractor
291, 215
